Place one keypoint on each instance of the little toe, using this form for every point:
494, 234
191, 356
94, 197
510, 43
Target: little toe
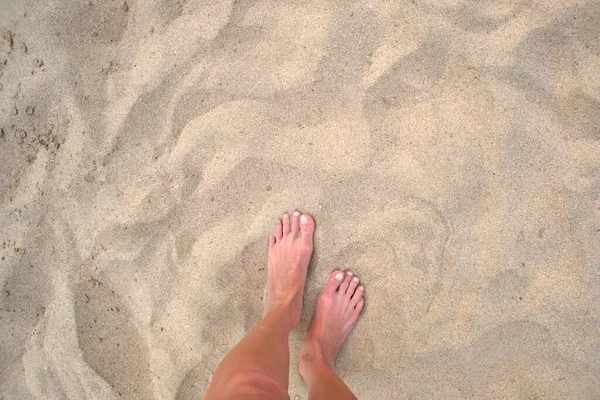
344, 286
359, 306
352, 287
357, 296
285, 219
334, 282
271, 240
278, 231
295, 223
307, 227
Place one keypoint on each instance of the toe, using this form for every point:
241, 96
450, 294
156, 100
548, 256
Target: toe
271, 240
295, 223
335, 279
352, 287
359, 306
307, 227
278, 231
357, 296
346, 283
285, 219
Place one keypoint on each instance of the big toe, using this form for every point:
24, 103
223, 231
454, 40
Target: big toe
334, 282
307, 227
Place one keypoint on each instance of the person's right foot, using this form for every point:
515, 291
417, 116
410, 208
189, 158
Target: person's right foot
337, 310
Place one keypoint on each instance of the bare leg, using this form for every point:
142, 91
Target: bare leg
258, 367
337, 310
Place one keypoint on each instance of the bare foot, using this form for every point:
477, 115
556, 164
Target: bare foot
337, 310
290, 249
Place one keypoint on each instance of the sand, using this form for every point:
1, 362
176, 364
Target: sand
449, 152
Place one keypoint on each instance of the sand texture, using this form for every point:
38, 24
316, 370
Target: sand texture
449, 152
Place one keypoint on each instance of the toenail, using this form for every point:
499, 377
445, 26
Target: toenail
361, 288
296, 213
304, 219
350, 273
355, 279
339, 276
285, 216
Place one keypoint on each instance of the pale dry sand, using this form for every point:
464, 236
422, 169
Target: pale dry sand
449, 152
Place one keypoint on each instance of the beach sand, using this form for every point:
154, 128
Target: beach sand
448, 151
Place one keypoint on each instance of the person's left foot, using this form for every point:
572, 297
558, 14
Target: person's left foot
290, 249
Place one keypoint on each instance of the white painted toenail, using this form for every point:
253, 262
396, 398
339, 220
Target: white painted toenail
361, 288
355, 279
304, 219
339, 276
296, 213
285, 216
350, 273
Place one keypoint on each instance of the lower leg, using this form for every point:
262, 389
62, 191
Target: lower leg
337, 311
258, 366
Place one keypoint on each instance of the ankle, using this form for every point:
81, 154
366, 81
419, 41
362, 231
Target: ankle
314, 369
282, 315
313, 361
